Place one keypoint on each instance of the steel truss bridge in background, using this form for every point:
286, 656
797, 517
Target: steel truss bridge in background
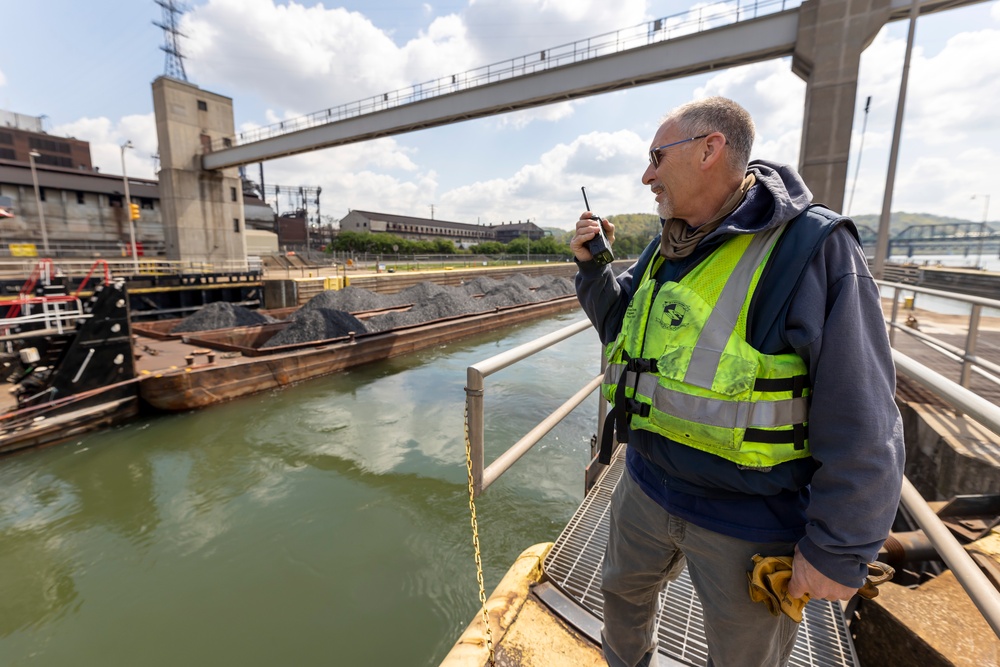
944, 237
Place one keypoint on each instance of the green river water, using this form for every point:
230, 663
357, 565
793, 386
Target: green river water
324, 524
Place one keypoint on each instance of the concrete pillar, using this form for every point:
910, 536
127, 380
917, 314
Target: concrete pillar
832, 34
202, 220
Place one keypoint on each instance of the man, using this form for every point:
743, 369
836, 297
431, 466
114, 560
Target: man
752, 379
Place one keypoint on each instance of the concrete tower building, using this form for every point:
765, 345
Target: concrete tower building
202, 210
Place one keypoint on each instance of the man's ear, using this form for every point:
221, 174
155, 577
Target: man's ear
715, 144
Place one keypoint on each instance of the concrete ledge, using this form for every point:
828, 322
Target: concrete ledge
503, 607
948, 454
935, 625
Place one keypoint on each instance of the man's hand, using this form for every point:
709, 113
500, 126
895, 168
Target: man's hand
807, 579
586, 229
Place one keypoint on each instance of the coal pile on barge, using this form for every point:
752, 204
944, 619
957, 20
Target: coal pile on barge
351, 300
316, 324
448, 302
331, 314
221, 315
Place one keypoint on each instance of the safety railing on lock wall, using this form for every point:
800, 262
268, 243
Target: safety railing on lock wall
967, 355
15, 269
980, 589
483, 475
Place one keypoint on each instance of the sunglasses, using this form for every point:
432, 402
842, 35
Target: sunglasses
654, 154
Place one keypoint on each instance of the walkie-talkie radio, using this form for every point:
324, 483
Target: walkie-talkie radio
598, 246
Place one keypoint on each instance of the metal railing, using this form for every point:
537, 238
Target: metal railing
483, 475
650, 32
967, 355
85, 247
18, 269
54, 316
979, 588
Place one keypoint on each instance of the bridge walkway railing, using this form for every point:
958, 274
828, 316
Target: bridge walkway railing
695, 20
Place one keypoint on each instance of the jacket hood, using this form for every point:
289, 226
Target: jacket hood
779, 195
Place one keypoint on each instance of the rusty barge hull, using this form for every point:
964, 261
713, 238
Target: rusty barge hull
202, 385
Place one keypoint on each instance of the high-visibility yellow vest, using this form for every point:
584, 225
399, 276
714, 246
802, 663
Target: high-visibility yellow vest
682, 366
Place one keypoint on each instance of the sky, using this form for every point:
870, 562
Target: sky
88, 69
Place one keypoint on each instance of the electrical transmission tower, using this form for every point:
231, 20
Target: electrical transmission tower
171, 38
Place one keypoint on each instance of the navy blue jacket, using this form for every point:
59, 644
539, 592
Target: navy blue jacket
838, 505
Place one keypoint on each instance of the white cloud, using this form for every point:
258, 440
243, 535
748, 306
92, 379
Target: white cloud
106, 138
3, 79
548, 190
312, 57
949, 134
503, 29
774, 96
950, 94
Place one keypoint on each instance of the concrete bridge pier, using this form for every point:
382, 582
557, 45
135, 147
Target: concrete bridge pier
831, 36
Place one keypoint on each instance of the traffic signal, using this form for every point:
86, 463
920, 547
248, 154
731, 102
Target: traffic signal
134, 211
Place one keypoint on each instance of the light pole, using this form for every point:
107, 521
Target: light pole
128, 210
982, 227
38, 200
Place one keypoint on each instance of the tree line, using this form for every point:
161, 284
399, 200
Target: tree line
389, 244
633, 231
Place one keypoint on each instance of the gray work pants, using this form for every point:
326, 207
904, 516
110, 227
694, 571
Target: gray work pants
649, 547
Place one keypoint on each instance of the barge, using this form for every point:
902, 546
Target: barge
78, 363
210, 367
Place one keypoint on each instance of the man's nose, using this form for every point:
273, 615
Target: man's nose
649, 175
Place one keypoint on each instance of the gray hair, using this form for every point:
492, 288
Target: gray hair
719, 114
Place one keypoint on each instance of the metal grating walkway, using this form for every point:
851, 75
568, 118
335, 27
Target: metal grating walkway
574, 566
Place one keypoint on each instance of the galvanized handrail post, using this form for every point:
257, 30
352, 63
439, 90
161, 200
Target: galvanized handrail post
602, 403
474, 406
892, 319
970, 345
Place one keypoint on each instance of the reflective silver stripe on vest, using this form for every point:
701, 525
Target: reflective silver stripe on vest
612, 373
711, 411
721, 323
721, 413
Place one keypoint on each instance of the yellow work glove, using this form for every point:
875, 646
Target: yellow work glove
769, 584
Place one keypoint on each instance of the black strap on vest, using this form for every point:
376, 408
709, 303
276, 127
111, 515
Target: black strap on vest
783, 437
800, 432
618, 418
793, 384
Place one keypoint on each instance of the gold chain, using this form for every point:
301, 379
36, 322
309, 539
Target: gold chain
475, 540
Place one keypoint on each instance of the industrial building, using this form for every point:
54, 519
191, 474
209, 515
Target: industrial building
84, 211
463, 235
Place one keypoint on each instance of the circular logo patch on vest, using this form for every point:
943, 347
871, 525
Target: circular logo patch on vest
673, 315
